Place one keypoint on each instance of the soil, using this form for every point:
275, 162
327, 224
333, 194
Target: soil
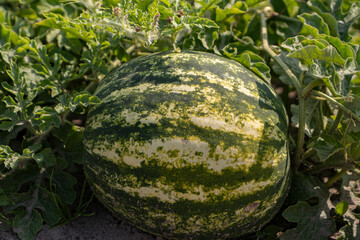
100, 226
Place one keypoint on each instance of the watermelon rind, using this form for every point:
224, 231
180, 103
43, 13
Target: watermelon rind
188, 145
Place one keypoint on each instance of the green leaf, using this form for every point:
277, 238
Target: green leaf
12, 183
313, 24
349, 192
351, 16
8, 126
256, 64
15, 74
49, 209
285, 30
252, 28
237, 8
351, 231
64, 186
292, 7
305, 187
298, 42
344, 49
27, 224
46, 117
239, 52
327, 54
311, 108
293, 63
84, 99
290, 234
329, 18
145, 4
4, 200
8, 35
9, 157
9, 88
74, 147
279, 6
45, 156
326, 146
10, 103
342, 207
353, 13
313, 222
208, 37
253, 3
192, 21
28, 152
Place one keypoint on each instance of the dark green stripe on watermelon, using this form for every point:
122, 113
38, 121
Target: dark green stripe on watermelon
185, 208
188, 98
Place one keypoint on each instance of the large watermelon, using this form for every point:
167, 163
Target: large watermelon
188, 145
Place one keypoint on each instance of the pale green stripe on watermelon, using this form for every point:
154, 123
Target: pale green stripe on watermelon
233, 218
225, 120
180, 135
177, 153
165, 192
216, 222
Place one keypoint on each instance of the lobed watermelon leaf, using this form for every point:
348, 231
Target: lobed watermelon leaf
313, 221
26, 224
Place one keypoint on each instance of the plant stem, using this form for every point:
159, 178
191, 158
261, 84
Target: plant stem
344, 140
338, 118
93, 84
310, 87
297, 84
340, 105
308, 153
239, 39
320, 116
335, 178
35, 194
276, 58
301, 133
130, 49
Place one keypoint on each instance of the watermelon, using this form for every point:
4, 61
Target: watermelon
188, 145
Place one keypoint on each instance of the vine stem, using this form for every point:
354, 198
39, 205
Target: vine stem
301, 133
297, 84
337, 121
309, 87
308, 153
274, 56
335, 178
340, 105
35, 195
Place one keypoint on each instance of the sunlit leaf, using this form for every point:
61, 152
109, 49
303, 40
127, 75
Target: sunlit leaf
313, 24
328, 54
237, 8
342, 207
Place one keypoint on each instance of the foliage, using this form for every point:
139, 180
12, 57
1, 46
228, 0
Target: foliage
54, 53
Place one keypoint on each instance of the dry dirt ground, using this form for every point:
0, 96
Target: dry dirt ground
100, 226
